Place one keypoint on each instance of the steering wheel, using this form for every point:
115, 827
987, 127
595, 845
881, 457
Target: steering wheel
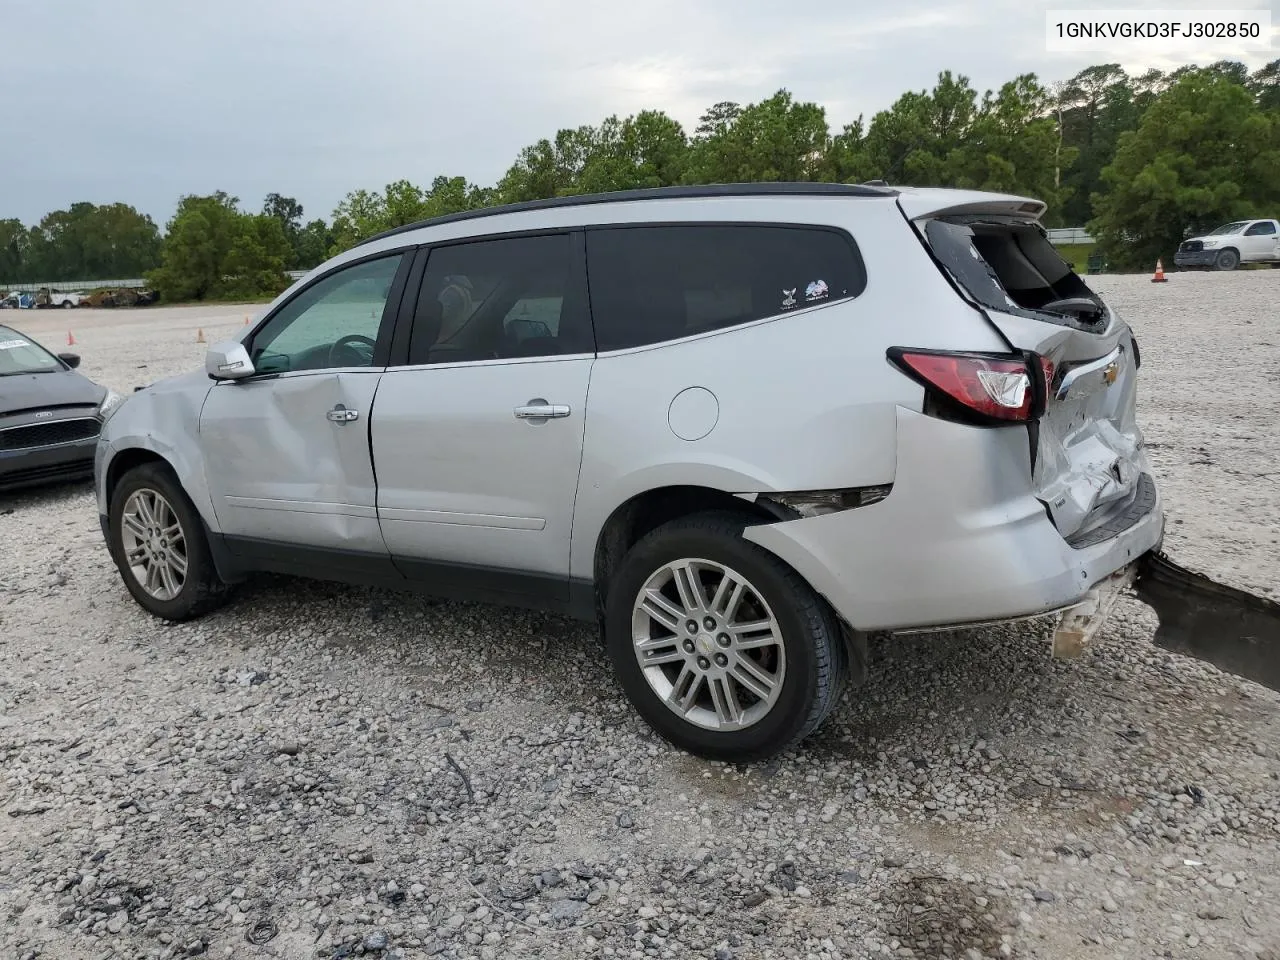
346, 344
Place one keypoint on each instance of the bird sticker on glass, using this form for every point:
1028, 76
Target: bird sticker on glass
816, 291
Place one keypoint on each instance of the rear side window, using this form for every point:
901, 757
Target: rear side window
1011, 266
650, 284
501, 299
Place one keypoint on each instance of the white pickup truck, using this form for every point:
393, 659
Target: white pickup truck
45, 297
1242, 241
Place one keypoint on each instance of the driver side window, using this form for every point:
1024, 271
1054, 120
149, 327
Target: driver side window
333, 323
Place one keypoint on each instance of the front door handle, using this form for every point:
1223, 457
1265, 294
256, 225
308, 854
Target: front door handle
538, 410
340, 414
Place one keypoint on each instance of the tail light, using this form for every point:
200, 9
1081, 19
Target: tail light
995, 387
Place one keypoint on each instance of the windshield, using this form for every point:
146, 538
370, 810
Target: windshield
1229, 228
19, 354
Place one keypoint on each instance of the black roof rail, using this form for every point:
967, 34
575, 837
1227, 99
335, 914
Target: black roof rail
876, 189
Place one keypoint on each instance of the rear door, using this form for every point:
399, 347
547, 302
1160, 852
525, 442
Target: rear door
1088, 464
477, 435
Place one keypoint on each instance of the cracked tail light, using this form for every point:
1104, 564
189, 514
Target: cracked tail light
998, 387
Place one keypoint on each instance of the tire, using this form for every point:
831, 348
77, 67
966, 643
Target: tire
67, 304
1227, 260
200, 589
804, 653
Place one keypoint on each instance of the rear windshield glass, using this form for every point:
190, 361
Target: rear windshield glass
1011, 266
20, 355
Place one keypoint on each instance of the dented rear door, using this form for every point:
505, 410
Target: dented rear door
1089, 467
281, 470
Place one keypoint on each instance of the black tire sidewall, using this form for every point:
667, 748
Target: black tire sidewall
199, 564
1218, 262
769, 577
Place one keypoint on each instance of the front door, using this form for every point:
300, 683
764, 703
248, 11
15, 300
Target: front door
1260, 241
287, 450
477, 437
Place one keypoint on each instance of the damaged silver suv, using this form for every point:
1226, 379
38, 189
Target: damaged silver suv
739, 426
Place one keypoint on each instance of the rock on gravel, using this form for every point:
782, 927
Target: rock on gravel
459, 781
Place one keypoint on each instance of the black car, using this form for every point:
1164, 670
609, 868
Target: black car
50, 415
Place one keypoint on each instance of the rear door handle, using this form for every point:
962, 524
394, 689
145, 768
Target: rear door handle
340, 414
538, 410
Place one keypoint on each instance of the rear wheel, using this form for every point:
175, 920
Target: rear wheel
722, 648
159, 545
1227, 260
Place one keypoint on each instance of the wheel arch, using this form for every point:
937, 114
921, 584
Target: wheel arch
189, 479
650, 509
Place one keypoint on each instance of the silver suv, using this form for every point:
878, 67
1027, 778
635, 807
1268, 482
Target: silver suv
738, 426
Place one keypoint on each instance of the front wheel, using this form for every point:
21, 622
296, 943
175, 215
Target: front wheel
159, 545
723, 649
1227, 260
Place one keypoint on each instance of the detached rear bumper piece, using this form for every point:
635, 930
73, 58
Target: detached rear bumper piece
1235, 631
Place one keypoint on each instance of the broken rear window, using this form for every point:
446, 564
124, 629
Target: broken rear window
1011, 266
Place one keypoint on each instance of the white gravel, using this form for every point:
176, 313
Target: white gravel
318, 771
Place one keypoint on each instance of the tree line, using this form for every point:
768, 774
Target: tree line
1141, 160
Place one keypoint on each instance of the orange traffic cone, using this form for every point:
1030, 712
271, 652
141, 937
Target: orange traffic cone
200, 336
246, 319
71, 339
1159, 277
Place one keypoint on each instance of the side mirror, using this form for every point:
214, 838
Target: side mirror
72, 360
228, 360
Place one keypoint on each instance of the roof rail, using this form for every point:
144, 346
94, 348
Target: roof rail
875, 189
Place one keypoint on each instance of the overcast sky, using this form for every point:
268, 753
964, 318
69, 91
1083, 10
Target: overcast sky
141, 101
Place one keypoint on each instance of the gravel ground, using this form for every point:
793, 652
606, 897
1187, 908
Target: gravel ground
317, 771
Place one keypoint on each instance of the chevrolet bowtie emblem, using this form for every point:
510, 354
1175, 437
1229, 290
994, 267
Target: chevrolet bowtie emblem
1111, 373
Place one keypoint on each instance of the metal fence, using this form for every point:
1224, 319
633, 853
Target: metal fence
69, 286
84, 286
1063, 236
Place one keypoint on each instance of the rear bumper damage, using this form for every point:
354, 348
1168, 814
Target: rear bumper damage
961, 545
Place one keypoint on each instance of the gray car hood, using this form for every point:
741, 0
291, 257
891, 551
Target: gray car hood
33, 391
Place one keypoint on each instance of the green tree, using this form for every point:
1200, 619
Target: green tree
1264, 84
1098, 104
910, 142
773, 140
214, 251
288, 212
1011, 144
646, 150
89, 242
314, 241
362, 213
15, 244
1204, 154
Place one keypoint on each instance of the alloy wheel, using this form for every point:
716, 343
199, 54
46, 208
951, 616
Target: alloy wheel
154, 545
708, 644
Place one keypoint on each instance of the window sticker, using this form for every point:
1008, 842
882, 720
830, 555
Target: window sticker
789, 298
816, 290
12, 344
